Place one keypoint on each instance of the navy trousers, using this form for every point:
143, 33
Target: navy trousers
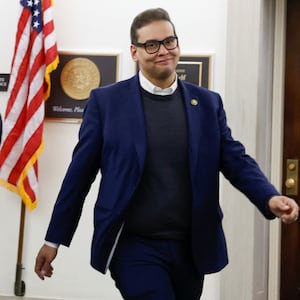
147, 269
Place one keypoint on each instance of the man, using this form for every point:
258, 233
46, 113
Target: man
160, 144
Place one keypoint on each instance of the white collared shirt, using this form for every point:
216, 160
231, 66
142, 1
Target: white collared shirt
151, 88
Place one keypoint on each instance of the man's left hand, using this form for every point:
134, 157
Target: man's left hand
284, 208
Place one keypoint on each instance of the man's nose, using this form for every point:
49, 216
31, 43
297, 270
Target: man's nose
162, 50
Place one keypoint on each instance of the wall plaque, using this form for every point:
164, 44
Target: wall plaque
195, 69
77, 74
4, 80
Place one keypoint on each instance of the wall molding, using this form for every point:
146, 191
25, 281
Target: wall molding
277, 137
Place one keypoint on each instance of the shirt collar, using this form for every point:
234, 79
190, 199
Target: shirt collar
151, 88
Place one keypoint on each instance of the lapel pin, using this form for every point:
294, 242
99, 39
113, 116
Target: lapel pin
194, 102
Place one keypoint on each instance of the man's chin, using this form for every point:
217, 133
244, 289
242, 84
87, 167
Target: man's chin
165, 75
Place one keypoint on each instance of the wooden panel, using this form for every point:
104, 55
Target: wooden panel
290, 245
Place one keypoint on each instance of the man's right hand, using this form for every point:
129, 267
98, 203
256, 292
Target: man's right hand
43, 261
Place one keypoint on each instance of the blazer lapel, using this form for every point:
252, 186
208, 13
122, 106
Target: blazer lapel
195, 125
136, 115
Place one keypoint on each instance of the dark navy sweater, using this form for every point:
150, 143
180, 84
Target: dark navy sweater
161, 205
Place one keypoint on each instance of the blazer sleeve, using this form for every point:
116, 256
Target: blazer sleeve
242, 170
84, 166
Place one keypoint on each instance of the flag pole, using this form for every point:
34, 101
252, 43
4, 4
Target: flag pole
19, 283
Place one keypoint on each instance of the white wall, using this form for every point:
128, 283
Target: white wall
249, 80
102, 27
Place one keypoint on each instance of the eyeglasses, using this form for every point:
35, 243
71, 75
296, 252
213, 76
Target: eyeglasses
153, 46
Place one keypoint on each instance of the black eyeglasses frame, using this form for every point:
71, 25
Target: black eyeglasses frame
162, 42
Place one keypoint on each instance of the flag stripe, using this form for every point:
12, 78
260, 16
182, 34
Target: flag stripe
23, 26
29, 150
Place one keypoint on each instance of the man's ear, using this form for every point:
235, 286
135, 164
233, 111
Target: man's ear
133, 53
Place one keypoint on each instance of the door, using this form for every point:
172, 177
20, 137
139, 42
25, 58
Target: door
290, 242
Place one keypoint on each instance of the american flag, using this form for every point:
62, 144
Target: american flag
35, 57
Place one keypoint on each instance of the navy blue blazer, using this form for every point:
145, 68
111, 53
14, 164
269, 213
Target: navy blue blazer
112, 139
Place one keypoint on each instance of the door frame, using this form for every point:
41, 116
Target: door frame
277, 139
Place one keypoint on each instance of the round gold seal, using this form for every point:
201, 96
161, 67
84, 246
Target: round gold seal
78, 77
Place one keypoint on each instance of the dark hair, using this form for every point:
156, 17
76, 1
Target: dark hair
146, 17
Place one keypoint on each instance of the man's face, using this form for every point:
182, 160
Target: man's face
158, 67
